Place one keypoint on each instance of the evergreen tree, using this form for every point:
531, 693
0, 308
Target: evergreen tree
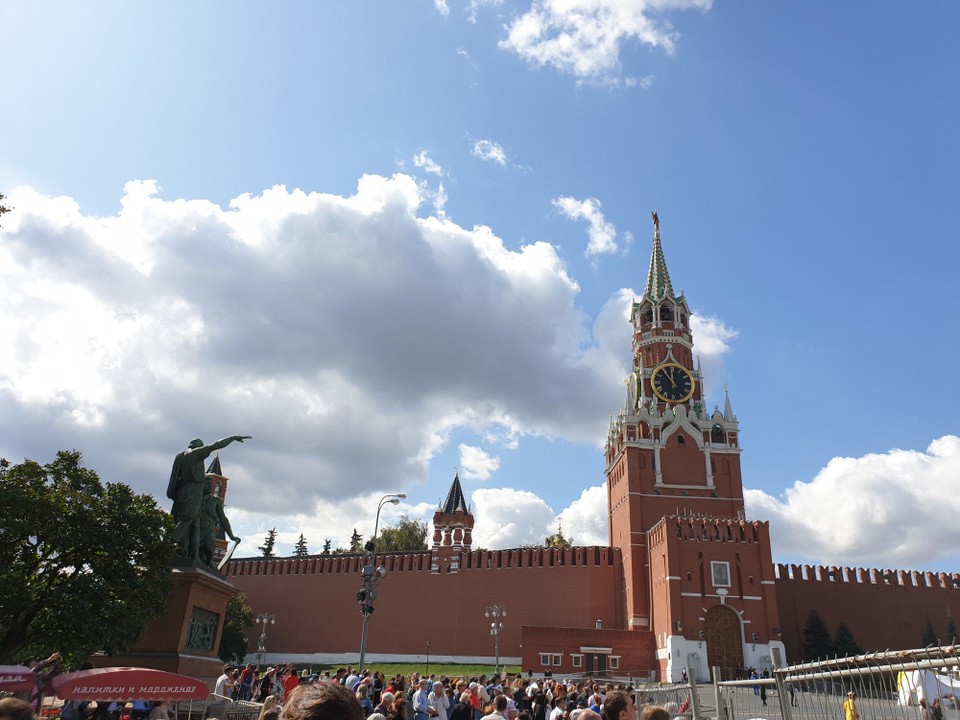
408, 535
951, 631
844, 644
929, 636
816, 638
268, 543
301, 549
356, 542
326, 546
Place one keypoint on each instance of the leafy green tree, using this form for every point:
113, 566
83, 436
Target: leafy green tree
233, 643
408, 535
267, 548
4, 209
83, 564
301, 549
816, 638
356, 542
951, 631
326, 546
929, 636
844, 644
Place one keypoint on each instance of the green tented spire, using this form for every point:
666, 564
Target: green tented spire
658, 279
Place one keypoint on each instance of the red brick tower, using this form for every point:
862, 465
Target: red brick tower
452, 531
219, 488
666, 456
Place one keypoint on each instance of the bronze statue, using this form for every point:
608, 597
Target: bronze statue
187, 489
212, 516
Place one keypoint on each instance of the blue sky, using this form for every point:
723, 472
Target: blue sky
390, 239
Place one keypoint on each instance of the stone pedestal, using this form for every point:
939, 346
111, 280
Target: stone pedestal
185, 639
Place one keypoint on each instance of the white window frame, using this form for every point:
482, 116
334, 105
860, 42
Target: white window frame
557, 659
720, 572
613, 662
545, 659
576, 660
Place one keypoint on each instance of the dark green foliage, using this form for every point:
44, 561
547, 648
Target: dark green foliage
929, 636
326, 546
356, 542
267, 548
301, 549
844, 644
816, 638
233, 643
83, 564
408, 535
4, 209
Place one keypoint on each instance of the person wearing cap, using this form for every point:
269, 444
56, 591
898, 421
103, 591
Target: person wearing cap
850, 711
224, 684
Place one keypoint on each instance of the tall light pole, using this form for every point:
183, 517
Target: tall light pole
262, 647
371, 575
496, 627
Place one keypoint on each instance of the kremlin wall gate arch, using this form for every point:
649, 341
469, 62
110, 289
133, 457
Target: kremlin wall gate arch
685, 577
724, 637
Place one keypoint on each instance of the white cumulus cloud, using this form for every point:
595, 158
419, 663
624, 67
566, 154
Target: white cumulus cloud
894, 509
601, 233
475, 464
490, 151
584, 37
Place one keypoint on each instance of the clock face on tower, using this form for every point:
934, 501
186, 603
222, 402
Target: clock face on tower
672, 383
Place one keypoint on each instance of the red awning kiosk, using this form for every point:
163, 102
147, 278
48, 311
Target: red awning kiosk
17, 679
127, 683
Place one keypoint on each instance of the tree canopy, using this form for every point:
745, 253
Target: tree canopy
408, 535
816, 638
844, 644
83, 564
268, 543
301, 549
4, 209
233, 643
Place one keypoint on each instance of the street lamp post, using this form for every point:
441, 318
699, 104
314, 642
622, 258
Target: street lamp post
371, 575
496, 627
262, 647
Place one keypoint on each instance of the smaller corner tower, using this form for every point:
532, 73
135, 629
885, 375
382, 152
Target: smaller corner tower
452, 530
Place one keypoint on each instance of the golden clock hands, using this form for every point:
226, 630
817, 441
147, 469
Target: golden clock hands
669, 374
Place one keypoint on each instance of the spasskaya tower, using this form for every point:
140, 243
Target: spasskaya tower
666, 455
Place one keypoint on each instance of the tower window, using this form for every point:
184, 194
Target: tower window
717, 434
681, 440
666, 313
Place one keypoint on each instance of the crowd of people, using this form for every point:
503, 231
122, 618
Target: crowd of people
287, 694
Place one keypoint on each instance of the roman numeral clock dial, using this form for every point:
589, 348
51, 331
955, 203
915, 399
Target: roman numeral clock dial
672, 383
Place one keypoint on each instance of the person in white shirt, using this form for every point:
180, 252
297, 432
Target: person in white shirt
557, 712
224, 684
438, 701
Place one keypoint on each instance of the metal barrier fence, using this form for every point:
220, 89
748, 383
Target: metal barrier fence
887, 686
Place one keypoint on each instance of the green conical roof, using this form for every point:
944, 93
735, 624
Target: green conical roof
658, 279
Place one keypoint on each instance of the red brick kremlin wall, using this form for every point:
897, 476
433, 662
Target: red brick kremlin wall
884, 609
314, 600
